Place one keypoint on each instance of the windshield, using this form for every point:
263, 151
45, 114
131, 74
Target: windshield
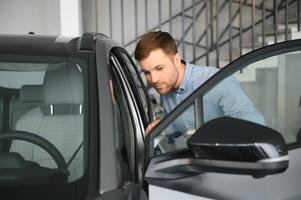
42, 112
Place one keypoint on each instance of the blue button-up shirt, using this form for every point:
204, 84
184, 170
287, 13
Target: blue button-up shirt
225, 99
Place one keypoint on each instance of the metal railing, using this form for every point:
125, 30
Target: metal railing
209, 32
213, 33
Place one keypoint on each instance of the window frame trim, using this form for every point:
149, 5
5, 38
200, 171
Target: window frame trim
137, 121
149, 114
239, 63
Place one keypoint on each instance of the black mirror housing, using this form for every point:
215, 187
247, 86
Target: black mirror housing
224, 145
259, 149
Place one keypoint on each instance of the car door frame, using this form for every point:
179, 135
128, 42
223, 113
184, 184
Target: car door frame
148, 115
137, 119
196, 96
108, 181
196, 99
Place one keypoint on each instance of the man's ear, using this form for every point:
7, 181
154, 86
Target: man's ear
177, 59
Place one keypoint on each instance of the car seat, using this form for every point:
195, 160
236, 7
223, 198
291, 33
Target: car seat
30, 96
59, 120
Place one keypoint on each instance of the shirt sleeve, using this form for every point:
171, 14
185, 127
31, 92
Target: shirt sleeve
233, 101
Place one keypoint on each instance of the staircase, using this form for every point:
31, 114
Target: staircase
257, 24
287, 29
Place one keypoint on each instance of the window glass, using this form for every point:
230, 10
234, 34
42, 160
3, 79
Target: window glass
174, 136
228, 98
123, 128
131, 115
273, 86
137, 85
21, 78
45, 97
266, 92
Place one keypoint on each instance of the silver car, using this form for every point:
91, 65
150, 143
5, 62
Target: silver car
73, 113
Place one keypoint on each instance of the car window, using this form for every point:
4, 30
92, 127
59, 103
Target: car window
265, 92
43, 97
123, 127
129, 123
272, 84
136, 83
174, 136
21, 78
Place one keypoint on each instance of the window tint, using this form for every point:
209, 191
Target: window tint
136, 83
174, 136
273, 86
21, 78
123, 128
44, 96
266, 92
130, 118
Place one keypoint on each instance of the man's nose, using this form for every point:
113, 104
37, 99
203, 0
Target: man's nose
154, 77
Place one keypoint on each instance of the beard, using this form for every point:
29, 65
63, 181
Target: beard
162, 88
165, 87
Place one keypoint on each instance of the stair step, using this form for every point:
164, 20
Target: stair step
280, 31
270, 39
249, 73
292, 26
296, 35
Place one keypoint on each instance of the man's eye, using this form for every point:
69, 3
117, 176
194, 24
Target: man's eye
146, 73
160, 68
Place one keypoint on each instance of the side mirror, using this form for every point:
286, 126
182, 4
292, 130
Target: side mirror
224, 145
238, 146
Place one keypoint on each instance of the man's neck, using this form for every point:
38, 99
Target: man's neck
180, 76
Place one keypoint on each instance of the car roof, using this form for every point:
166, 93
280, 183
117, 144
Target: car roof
56, 44
43, 44
38, 43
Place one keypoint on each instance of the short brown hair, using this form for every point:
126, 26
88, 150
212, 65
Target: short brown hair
155, 40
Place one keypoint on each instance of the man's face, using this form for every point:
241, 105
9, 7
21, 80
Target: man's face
161, 70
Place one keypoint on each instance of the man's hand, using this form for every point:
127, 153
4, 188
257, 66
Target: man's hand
151, 126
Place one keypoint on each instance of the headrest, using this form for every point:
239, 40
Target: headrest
31, 93
63, 86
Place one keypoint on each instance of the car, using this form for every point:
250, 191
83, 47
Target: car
73, 113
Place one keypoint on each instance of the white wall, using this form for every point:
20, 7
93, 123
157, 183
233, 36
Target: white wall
21, 17
70, 17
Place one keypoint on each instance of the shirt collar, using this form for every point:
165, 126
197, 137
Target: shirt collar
187, 75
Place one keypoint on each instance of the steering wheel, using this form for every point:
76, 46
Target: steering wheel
39, 141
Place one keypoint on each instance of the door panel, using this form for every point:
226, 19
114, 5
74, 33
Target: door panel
229, 186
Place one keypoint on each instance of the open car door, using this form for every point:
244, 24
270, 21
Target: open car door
228, 156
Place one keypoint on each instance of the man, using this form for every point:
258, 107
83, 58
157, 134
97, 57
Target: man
174, 79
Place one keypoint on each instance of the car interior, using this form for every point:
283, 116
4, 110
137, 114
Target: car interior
48, 102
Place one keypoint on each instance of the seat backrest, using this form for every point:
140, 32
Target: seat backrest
30, 96
59, 120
